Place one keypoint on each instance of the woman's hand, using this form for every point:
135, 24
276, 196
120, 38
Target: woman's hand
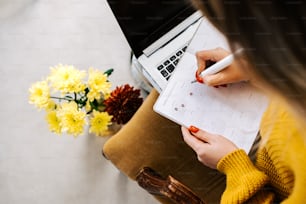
210, 148
231, 74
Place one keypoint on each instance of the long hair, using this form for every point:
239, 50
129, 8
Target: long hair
273, 35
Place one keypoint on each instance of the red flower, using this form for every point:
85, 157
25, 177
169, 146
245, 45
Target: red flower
123, 103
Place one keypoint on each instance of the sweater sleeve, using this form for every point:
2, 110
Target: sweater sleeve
243, 180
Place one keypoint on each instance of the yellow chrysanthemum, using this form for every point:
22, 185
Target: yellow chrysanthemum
72, 119
99, 123
66, 78
39, 94
97, 84
54, 122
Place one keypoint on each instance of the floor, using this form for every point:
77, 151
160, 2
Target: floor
37, 166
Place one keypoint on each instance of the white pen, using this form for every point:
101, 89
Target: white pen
219, 66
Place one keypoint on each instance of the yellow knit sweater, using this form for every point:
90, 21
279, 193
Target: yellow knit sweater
279, 173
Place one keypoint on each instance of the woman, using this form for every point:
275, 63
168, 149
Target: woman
272, 34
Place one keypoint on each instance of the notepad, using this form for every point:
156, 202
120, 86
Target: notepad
234, 111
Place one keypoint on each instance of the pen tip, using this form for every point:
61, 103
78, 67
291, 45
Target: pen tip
193, 81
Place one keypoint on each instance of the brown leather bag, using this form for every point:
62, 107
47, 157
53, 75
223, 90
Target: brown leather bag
155, 184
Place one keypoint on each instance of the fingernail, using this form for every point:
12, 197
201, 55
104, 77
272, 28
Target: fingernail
224, 85
193, 129
198, 78
216, 86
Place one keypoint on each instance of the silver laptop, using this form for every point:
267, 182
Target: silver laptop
158, 32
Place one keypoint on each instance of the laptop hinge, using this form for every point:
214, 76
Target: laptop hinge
172, 34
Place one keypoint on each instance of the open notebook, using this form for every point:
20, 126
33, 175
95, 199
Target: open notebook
234, 111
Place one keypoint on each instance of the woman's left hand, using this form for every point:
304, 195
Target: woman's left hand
210, 148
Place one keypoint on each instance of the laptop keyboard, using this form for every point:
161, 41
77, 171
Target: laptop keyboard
167, 66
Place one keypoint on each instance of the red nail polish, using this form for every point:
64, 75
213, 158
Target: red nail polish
193, 129
198, 78
224, 85
216, 86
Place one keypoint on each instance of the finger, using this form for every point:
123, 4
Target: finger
216, 79
198, 77
231, 74
206, 58
191, 141
200, 62
208, 63
213, 54
201, 135
210, 55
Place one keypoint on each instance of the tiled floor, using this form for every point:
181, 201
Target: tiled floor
37, 166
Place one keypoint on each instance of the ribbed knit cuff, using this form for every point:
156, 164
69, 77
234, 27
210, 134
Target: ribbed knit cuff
243, 179
236, 162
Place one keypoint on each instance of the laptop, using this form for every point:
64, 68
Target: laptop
158, 32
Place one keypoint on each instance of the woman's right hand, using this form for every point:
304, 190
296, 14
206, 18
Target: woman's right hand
233, 73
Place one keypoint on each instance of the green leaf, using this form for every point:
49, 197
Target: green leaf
109, 71
94, 104
86, 90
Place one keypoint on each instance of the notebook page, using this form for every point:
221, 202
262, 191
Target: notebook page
234, 111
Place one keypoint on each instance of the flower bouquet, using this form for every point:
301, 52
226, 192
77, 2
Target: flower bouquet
71, 102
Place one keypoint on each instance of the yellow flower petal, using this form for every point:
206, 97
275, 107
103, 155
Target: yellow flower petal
88, 106
98, 83
93, 94
39, 94
67, 79
51, 105
72, 119
99, 123
54, 122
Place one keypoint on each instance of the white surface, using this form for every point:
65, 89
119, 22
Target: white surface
37, 166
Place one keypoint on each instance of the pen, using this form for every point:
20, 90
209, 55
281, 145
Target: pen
218, 66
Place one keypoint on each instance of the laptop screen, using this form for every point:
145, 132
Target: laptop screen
145, 21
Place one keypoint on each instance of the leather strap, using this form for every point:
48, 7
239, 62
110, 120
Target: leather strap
155, 184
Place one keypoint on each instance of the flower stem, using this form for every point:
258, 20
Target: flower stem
61, 98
